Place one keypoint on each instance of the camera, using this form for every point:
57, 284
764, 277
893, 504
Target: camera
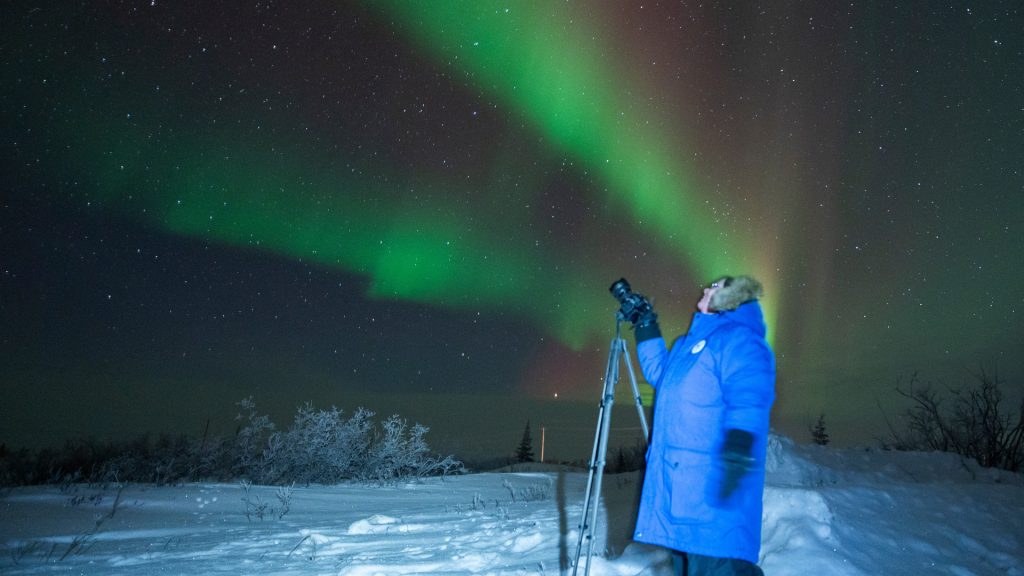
633, 307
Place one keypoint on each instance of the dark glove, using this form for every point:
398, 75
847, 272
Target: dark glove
737, 460
646, 325
638, 310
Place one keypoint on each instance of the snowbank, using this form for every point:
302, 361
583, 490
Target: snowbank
832, 512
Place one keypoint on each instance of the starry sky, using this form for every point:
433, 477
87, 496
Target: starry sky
418, 207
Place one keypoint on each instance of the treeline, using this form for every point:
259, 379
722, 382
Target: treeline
319, 447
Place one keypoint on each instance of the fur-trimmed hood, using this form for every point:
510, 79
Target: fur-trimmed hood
738, 291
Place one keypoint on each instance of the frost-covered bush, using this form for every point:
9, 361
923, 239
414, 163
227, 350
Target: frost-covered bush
251, 439
323, 447
320, 446
400, 452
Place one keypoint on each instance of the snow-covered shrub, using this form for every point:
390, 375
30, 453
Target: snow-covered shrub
323, 447
320, 447
400, 452
531, 493
251, 440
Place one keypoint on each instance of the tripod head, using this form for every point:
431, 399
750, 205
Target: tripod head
633, 308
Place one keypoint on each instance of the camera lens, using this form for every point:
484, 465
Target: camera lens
620, 289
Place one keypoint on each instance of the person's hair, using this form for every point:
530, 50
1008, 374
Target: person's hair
735, 291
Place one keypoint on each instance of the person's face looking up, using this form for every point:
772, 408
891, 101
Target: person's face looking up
704, 305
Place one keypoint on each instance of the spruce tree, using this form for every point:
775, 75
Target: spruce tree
818, 433
524, 453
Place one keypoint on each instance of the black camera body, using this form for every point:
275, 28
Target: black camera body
633, 307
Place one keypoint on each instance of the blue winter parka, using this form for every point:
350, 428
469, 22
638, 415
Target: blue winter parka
718, 377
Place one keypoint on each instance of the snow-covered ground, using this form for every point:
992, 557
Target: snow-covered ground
827, 512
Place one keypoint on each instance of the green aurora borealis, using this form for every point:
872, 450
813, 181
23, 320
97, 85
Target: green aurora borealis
220, 188
480, 173
554, 71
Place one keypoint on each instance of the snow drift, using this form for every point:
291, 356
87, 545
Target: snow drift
835, 512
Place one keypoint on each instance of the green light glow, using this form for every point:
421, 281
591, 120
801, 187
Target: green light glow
545, 60
212, 184
235, 196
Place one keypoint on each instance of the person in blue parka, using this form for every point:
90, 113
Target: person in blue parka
702, 492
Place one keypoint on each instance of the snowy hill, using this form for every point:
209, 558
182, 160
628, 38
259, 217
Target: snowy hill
831, 512
867, 511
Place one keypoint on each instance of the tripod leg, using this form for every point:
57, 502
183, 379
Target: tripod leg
591, 500
598, 457
636, 393
584, 527
596, 500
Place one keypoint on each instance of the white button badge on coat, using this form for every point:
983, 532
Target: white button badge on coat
698, 347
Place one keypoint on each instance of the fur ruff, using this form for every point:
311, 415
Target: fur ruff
742, 289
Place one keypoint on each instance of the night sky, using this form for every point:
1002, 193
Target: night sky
418, 207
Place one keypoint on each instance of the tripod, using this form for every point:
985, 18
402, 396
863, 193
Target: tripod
598, 457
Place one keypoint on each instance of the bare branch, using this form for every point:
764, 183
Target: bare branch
973, 423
